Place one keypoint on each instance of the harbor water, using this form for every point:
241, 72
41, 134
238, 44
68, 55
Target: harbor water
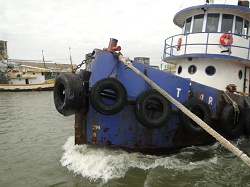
37, 149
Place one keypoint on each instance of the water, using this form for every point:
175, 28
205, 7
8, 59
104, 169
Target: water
37, 149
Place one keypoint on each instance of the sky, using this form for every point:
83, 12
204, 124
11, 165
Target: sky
54, 26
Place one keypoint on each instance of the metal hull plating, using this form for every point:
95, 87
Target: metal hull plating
123, 128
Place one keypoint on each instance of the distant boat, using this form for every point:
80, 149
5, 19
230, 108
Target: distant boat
113, 106
16, 77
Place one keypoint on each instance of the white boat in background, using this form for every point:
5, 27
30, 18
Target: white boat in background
24, 79
15, 77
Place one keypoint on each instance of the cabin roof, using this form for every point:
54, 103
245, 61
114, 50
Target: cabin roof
182, 15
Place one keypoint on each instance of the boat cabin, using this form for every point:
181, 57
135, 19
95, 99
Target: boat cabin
213, 48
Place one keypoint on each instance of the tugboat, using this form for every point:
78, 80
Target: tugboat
113, 106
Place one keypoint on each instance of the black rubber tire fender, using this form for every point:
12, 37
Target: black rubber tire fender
142, 109
247, 122
201, 109
111, 85
231, 127
68, 93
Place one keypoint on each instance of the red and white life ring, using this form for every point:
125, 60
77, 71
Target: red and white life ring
226, 39
179, 44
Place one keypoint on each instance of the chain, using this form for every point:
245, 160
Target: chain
116, 65
80, 65
88, 57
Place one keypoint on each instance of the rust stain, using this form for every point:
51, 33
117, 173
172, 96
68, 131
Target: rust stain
106, 129
80, 127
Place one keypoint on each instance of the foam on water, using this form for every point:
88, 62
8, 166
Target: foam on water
105, 164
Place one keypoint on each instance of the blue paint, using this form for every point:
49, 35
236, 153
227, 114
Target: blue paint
123, 129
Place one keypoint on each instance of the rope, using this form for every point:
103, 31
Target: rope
235, 105
207, 128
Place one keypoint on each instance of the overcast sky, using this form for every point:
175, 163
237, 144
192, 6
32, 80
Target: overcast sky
141, 26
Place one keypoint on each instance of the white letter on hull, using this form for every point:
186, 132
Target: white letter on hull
210, 100
178, 92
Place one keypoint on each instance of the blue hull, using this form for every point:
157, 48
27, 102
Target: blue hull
123, 129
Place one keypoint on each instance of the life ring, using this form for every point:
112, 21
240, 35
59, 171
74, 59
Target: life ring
114, 89
231, 124
179, 44
152, 109
226, 39
201, 109
68, 93
247, 122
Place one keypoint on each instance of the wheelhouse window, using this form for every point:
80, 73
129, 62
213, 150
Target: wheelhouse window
246, 28
238, 25
188, 25
198, 23
212, 22
227, 23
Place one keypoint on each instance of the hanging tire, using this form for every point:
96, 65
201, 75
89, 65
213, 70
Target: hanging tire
232, 126
152, 109
68, 93
113, 90
247, 122
200, 109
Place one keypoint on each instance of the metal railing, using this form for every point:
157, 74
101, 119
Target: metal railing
207, 44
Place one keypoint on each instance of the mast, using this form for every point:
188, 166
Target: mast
71, 63
43, 60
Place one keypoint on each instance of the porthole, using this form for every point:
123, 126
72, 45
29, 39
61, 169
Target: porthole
179, 69
192, 69
240, 74
210, 70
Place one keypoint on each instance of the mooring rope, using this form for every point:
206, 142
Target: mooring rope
207, 128
227, 98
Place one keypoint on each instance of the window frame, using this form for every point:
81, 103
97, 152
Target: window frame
196, 23
223, 26
190, 23
218, 21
